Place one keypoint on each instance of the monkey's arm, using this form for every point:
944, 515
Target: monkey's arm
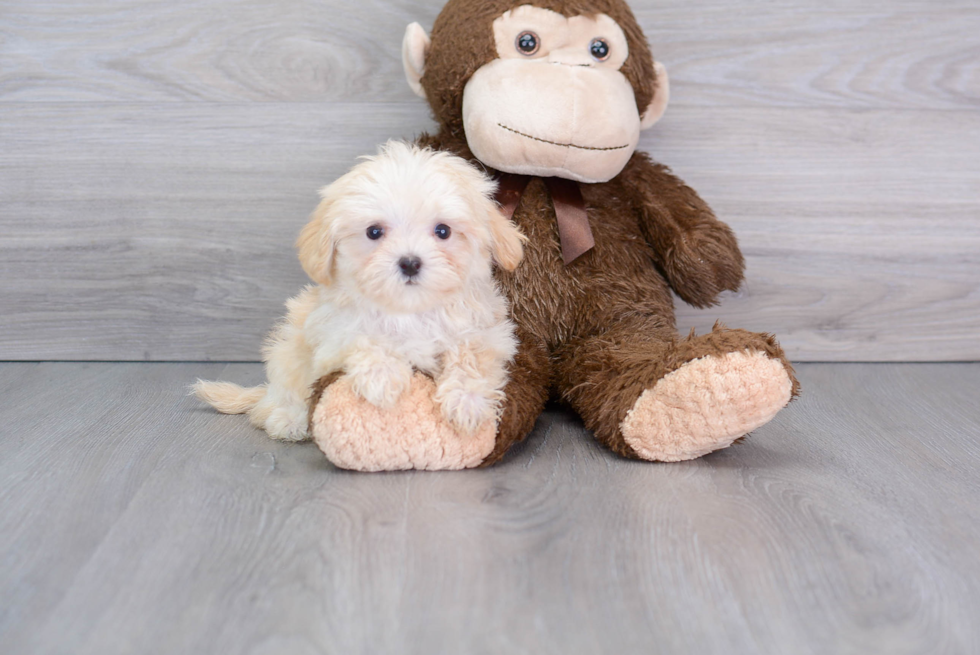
696, 252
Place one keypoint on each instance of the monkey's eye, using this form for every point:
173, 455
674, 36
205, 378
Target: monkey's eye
528, 43
599, 49
443, 231
375, 232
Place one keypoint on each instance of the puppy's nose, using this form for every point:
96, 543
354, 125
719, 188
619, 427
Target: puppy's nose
410, 265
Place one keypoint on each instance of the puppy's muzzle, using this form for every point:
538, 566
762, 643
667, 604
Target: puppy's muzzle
410, 266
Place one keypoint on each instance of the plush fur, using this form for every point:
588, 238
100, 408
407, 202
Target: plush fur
600, 333
377, 323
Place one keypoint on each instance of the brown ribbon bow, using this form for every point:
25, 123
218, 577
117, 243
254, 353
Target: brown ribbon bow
573, 219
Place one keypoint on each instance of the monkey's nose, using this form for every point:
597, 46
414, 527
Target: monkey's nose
410, 265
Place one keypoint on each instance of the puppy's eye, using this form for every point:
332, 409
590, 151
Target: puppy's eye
599, 49
443, 231
375, 232
528, 43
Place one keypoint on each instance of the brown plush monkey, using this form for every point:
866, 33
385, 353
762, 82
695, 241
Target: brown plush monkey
551, 95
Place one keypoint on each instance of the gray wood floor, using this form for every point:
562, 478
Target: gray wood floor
158, 158
134, 521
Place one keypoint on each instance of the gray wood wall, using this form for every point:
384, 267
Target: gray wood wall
157, 159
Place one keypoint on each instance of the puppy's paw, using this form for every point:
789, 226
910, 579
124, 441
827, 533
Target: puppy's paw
467, 409
381, 382
288, 423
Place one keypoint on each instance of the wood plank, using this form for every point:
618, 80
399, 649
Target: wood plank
133, 232
860, 228
135, 521
165, 233
871, 54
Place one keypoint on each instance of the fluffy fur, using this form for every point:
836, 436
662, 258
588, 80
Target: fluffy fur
377, 322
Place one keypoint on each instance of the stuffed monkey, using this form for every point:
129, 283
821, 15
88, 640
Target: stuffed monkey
550, 96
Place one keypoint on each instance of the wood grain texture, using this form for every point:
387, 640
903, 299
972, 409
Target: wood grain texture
164, 232
872, 54
158, 158
140, 232
134, 520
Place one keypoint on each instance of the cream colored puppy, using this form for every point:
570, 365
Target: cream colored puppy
402, 249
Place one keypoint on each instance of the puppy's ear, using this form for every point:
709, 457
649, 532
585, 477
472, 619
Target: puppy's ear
506, 240
316, 244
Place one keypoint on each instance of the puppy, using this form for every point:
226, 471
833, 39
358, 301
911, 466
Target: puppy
402, 250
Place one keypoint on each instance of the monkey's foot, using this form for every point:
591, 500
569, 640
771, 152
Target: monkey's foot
706, 405
354, 434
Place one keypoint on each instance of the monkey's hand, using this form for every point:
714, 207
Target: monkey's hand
696, 252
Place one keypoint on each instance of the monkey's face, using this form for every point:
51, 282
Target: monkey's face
554, 101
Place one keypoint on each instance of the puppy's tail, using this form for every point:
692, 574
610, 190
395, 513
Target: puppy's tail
228, 398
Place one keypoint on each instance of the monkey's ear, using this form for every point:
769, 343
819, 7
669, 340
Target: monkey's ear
660, 99
415, 45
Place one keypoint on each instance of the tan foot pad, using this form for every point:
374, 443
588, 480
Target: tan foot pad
354, 434
706, 405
